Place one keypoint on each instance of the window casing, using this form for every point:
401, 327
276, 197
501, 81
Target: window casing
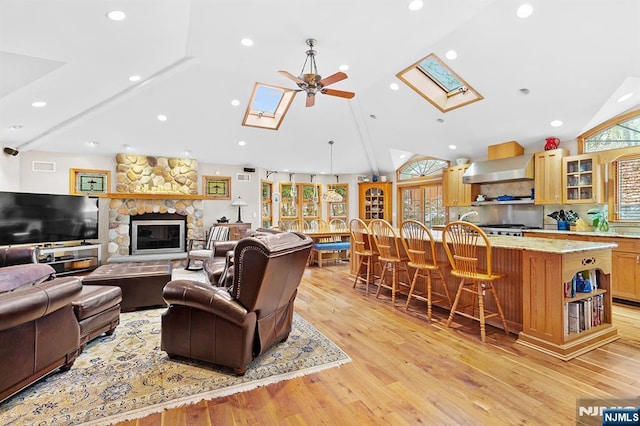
617, 142
420, 192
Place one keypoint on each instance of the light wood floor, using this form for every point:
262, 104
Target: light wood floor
407, 371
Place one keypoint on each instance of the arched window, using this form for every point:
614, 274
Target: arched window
618, 143
422, 168
622, 131
420, 191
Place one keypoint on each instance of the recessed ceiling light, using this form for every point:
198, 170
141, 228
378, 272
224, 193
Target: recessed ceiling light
415, 5
242, 143
451, 54
235, 102
524, 11
343, 67
134, 78
403, 155
394, 86
452, 147
116, 15
39, 104
625, 97
556, 123
247, 42
15, 127
187, 152
162, 117
93, 143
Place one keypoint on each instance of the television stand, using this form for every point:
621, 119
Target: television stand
71, 259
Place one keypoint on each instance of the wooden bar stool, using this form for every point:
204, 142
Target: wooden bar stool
421, 250
363, 250
391, 257
460, 240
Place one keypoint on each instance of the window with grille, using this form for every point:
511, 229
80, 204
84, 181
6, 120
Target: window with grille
627, 192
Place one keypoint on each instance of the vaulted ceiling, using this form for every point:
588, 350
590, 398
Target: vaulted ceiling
574, 57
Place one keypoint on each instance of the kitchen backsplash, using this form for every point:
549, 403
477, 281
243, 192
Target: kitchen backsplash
517, 189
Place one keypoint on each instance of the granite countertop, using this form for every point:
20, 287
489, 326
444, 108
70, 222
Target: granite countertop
545, 245
586, 233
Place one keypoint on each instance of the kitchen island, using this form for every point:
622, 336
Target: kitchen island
532, 293
625, 258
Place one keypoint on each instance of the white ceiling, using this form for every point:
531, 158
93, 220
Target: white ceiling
576, 57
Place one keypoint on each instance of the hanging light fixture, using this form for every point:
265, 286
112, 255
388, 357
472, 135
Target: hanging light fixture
331, 196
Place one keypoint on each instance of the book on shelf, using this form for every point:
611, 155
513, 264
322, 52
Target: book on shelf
582, 315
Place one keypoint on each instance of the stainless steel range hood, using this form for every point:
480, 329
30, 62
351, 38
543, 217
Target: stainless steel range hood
502, 170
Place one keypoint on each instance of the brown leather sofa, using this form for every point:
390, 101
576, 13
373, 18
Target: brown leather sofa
216, 266
231, 327
38, 329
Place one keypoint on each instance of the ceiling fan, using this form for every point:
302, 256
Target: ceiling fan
312, 83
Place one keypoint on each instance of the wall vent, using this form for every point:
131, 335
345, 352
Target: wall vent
243, 177
43, 166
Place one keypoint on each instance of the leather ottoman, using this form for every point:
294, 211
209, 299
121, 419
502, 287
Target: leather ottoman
97, 309
141, 282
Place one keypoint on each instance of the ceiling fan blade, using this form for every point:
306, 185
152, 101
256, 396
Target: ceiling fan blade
333, 78
311, 100
339, 93
291, 76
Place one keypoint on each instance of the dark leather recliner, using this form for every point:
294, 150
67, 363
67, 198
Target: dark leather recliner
231, 327
38, 329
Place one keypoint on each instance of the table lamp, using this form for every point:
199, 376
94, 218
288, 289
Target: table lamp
239, 202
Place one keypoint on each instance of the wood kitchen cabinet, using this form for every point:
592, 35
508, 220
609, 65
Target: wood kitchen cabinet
582, 179
375, 200
626, 269
548, 176
625, 261
456, 193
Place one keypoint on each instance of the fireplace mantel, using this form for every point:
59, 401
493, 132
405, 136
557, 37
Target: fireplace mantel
156, 196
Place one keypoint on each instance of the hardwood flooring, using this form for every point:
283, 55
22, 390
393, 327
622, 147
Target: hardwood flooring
406, 371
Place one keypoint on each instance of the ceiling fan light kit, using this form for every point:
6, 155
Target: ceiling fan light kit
312, 83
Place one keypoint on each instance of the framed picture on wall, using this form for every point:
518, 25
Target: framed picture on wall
216, 187
89, 182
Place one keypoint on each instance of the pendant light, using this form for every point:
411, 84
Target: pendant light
331, 196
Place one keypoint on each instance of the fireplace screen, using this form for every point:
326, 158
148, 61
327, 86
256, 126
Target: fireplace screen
157, 236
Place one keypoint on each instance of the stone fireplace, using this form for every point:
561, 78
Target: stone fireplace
122, 210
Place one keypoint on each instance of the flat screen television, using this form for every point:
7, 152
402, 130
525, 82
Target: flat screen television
27, 218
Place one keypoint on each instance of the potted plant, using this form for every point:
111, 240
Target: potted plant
600, 220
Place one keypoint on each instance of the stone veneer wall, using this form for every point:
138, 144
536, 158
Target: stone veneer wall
137, 174
121, 210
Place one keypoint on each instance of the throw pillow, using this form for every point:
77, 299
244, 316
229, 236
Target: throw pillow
12, 277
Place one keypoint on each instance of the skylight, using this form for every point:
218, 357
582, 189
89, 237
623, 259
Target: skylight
440, 74
438, 84
267, 99
268, 106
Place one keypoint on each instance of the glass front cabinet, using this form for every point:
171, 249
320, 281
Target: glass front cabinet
266, 204
375, 201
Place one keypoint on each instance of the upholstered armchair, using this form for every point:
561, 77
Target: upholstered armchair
198, 250
231, 327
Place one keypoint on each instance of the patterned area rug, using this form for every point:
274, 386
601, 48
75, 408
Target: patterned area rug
127, 376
